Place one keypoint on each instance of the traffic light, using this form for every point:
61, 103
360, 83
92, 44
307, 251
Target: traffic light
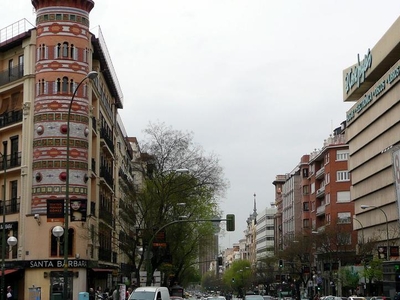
219, 260
281, 263
230, 222
397, 272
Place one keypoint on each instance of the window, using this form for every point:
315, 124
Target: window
344, 238
57, 51
14, 159
65, 50
306, 223
306, 206
327, 158
344, 218
312, 169
65, 85
14, 197
305, 173
328, 198
20, 65
306, 189
342, 154
57, 244
10, 67
327, 178
313, 188
342, 176
343, 196
328, 218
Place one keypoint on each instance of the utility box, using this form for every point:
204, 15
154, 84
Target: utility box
83, 296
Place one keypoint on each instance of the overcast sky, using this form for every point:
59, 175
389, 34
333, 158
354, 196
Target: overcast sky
258, 82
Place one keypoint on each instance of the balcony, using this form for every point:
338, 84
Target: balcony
12, 161
107, 140
320, 192
107, 177
321, 210
10, 117
11, 75
12, 206
320, 173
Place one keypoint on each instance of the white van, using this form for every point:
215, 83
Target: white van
150, 293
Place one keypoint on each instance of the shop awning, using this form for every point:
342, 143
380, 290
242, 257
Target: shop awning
101, 270
8, 271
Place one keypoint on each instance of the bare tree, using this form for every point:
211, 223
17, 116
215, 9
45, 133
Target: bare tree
166, 194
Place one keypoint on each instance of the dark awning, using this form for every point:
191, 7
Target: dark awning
101, 270
8, 271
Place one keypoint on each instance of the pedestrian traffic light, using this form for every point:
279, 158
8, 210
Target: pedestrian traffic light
281, 263
230, 222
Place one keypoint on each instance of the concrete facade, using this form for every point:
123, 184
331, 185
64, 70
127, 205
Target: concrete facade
373, 131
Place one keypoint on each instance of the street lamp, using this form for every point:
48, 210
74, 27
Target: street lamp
362, 229
387, 227
91, 75
11, 241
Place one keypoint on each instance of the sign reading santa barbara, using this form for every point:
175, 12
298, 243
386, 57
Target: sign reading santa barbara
56, 263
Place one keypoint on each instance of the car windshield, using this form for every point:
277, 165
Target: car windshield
142, 296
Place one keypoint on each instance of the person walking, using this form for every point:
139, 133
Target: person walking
10, 293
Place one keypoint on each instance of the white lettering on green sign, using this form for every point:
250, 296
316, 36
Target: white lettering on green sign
375, 92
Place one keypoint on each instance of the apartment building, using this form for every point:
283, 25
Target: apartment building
43, 86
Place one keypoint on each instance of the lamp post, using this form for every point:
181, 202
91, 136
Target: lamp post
91, 75
11, 240
362, 229
387, 227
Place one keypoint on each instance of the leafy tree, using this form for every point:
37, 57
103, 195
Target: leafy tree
348, 278
238, 276
373, 272
158, 200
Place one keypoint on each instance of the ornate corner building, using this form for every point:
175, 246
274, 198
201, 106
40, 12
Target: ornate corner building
43, 68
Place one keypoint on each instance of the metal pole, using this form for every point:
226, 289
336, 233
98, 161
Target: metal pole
149, 266
90, 75
362, 229
387, 228
3, 240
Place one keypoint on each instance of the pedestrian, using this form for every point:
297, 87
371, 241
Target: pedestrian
92, 294
10, 293
115, 294
128, 293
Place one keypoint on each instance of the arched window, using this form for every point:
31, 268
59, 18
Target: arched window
71, 86
73, 50
65, 50
57, 51
58, 86
65, 85
57, 244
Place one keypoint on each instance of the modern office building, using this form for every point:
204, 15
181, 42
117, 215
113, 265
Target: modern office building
44, 87
265, 233
373, 136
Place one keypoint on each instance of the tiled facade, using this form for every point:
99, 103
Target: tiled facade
40, 70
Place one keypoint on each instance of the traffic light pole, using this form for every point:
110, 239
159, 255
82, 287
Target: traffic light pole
149, 266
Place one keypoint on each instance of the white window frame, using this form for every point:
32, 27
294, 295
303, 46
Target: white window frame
342, 176
342, 155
